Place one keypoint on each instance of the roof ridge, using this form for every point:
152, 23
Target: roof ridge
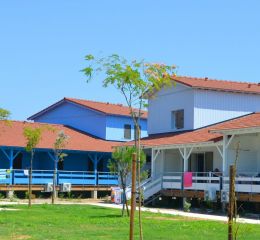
28, 122
105, 103
214, 79
87, 100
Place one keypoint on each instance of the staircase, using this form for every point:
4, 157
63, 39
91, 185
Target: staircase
151, 189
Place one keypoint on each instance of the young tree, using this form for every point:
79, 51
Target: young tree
58, 148
33, 137
134, 80
4, 114
121, 163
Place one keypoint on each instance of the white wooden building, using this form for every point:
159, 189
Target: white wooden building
199, 126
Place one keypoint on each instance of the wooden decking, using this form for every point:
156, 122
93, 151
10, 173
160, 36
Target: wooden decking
243, 197
41, 188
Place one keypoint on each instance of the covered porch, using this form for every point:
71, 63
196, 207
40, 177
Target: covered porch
78, 168
207, 163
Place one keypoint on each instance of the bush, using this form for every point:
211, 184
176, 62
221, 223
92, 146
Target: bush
186, 206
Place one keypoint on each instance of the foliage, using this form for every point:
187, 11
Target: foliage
58, 148
33, 137
59, 145
186, 206
122, 160
95, 223
132, 78
4, 114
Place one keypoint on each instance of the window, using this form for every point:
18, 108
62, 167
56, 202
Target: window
136, 131
201, 162
127, 131
177, 119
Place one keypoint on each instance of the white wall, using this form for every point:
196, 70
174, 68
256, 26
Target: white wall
166, 101
172, 161
214, 106
248, 157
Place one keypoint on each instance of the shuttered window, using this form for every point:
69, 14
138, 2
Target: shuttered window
127, 131
178, 119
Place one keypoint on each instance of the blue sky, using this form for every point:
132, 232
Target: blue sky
43, 44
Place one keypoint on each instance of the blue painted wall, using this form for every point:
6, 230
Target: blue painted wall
76, 116
115, 128
109, 127
4, 162
75, 161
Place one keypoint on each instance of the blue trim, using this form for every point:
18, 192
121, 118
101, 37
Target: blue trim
46, 176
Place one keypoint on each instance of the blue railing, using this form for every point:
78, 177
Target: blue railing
19, 176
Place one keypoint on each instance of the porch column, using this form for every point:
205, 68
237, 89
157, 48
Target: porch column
95, 159
95, 168
226, 143
185, 153
155, 154
10, 155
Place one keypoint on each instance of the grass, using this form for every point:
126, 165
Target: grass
90, 222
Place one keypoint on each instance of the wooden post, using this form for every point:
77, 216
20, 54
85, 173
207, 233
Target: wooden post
231, 201
133, 193
30, 178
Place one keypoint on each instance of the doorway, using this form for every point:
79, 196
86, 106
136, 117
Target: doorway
201, 162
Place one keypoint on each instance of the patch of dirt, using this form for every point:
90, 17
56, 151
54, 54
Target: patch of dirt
20, 237
9, 209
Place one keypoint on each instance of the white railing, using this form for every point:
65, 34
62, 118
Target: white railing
152, 187
245, 182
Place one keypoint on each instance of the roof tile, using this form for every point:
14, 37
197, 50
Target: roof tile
11, 134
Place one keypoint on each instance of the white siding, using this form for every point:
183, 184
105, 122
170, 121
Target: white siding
248, 157
172, 161
166, 101
212, 106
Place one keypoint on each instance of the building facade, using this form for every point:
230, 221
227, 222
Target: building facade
198, 128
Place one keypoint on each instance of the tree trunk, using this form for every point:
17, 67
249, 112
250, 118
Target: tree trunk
123, 187
133, 194
30, 180
125, 204
231, 201
53, 196
139, 185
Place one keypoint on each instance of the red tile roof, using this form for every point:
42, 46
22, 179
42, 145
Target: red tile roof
204, 134
248, 121
11, 134
178, 138
107, 108
219, 85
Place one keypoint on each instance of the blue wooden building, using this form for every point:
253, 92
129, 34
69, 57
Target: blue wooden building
93, 129
108, 121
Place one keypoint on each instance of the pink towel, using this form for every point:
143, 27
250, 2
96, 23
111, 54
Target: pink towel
188, 179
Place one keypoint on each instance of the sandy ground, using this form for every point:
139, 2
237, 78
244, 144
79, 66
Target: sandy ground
101, 203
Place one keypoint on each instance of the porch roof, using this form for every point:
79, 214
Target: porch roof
250, 122
202, 136
11, 135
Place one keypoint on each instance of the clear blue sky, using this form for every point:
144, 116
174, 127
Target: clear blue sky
43, 44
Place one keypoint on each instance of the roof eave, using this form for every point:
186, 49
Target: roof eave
237, 131
184, 145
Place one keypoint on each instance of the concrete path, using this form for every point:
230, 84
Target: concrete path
181, 213
153, 210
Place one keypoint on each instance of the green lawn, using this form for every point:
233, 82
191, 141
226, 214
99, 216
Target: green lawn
89, 222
